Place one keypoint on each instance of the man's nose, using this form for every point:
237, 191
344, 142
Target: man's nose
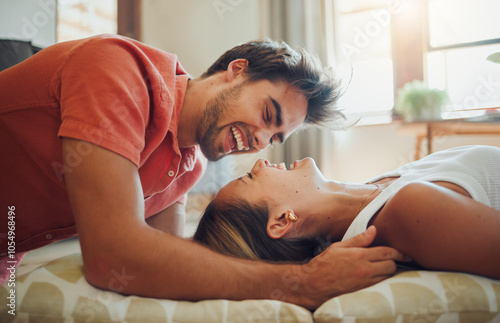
262, 139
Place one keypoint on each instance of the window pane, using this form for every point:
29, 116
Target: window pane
462, 21
364, 35
346, 6
82, 18
364, 44
371, 88
472, 82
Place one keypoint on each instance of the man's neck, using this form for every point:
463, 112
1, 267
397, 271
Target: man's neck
190, 117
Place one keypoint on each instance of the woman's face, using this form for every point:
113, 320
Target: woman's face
275, 185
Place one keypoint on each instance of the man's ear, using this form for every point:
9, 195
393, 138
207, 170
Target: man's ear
236, 68
280, 224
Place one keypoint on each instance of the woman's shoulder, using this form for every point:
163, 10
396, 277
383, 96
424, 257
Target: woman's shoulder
476, 152
412, 193
416, 203
421, 198
417, 192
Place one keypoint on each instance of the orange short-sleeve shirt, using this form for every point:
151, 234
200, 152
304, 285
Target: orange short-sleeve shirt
108, 90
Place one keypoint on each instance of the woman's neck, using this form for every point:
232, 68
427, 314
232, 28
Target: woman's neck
342, 202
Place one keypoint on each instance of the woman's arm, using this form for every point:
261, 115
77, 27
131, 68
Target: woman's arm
441, 229
170, 220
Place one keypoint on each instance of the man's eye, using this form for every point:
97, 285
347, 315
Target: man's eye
268, 115
250, 175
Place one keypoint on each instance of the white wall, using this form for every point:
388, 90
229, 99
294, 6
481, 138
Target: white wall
363, 152
33, 20
199, 31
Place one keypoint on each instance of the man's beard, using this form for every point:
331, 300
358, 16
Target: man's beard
216, 109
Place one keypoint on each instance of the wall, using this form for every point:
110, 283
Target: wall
363, 152
199, 31
33, 20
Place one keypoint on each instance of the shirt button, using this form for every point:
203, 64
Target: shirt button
171, 173
48, 236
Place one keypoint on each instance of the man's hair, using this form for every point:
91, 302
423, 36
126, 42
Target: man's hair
238, 229
277, 61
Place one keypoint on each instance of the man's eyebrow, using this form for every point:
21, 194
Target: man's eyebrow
277, 107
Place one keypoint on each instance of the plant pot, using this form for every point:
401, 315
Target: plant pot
427, 114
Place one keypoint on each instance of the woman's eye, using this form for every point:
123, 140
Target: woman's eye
250, 175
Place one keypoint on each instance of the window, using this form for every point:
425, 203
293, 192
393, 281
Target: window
364, 55
387, 43
83, 18
461, 36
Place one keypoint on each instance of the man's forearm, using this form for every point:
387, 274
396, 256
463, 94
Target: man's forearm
122, 252
180, 269
159, 265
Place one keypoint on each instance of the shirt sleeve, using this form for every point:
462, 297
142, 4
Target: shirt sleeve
104, 97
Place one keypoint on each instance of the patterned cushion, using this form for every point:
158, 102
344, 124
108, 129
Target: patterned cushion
418, 296
58, 292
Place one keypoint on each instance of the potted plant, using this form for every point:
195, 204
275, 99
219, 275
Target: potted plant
417, 102
495, 58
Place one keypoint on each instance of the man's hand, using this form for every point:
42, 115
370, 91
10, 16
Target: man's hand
345, 267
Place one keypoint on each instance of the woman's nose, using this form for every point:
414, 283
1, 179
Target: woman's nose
260, 163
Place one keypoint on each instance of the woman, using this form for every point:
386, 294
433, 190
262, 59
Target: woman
443, 211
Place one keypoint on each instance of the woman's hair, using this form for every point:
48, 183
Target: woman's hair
277, 61
238, 229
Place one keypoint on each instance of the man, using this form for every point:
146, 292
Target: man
105, 136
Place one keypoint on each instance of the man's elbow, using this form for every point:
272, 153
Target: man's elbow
108, 275
95, 274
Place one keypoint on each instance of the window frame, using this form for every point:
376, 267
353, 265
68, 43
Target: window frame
129, 18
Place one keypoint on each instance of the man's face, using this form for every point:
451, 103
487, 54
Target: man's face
249, 116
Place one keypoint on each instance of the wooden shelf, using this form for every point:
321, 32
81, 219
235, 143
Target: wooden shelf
432, 129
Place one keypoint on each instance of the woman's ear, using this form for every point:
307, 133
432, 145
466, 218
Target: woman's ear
280, 224
236, 68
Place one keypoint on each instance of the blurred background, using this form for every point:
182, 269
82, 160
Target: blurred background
377, 47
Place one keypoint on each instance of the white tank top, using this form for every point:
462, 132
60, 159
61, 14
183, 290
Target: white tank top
474, 168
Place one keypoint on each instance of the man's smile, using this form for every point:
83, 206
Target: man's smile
238, 141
